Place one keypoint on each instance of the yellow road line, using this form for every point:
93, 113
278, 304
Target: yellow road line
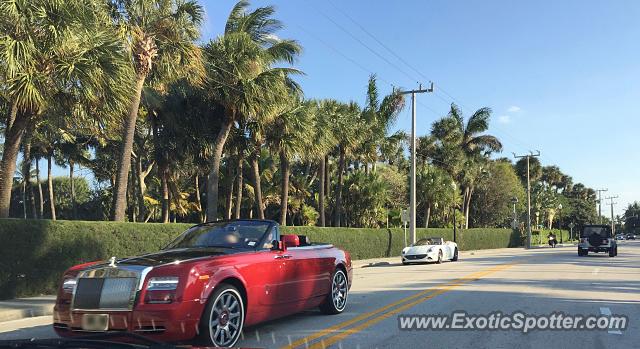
421, 296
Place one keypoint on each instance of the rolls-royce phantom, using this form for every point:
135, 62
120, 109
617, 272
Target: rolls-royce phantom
206, 285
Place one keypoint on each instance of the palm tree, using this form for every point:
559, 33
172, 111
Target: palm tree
463, 147
73, 49
378, 116
324, 141
289, 137
161, 37
243, 79
346, 125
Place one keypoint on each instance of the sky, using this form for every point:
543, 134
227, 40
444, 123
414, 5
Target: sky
560, 76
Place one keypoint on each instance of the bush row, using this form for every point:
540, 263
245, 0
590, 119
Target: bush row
34, 253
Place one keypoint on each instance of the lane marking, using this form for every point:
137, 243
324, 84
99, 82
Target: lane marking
607, 312
420, 296
595, 271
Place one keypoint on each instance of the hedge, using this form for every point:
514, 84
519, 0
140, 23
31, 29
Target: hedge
34, 253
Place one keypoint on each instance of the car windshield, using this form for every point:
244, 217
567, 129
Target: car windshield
428, 241
236, 234
604, 231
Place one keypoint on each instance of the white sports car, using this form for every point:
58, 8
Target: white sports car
430, 250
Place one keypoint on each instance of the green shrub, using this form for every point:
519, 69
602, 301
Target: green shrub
35, 253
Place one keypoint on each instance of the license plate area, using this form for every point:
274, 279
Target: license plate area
95, 322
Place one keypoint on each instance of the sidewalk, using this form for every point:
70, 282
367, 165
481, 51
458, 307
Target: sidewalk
21, 308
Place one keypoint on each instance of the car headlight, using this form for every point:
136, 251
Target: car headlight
164, 283
69, 284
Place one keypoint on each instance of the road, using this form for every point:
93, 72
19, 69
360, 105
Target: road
539, 281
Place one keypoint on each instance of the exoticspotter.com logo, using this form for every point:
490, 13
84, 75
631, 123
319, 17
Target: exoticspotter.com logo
516, 321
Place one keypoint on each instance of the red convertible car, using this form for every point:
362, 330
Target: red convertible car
206, 285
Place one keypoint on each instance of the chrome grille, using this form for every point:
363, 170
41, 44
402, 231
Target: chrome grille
117, 293
104, 293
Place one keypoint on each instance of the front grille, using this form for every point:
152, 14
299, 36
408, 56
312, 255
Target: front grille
104, 293
416, 256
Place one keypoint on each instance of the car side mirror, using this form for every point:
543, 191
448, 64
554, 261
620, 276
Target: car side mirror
278, 245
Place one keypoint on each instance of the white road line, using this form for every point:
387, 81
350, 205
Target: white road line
596, 271
607, 312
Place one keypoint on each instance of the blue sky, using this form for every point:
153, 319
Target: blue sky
561, 76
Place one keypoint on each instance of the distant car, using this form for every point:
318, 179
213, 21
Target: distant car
620, 237
597, 238
427, 250
631, 237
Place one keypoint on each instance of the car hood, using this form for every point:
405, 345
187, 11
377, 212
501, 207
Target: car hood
418, 249
176, 255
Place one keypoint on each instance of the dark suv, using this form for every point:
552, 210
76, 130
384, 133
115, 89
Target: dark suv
597, 238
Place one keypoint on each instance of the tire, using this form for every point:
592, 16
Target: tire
221, 325
336, 300
439, 257
455, 255
612, 252
580, 253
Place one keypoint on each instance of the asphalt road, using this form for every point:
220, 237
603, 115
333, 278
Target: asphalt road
540, 281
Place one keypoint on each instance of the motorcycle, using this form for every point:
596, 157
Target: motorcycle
552, 241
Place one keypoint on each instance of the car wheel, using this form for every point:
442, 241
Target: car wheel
336, 300
612, 252
580, 253
223, 318
455, 255
439, 257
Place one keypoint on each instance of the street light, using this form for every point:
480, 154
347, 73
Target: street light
453, 185
560, 220
514, 224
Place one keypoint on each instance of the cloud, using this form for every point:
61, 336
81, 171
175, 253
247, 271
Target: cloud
504, 119
514, 109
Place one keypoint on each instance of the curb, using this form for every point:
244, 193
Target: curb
17, 314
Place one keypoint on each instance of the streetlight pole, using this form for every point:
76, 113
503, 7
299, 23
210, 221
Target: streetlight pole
453, 184
600, 203
412, 193
528, 156
514, 224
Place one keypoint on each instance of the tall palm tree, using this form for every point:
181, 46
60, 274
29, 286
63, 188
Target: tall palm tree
379, 117
49, 47
161, 37
243, 79
346, 125
289, 137
463, 147
324, 141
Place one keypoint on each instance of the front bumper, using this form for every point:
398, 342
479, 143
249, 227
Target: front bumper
415, 258
164, 322
601, 248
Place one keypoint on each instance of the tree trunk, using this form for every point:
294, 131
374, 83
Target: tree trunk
321, 187
427, 215
231, 179
240, 186
74, 205
214, 176
13, 112
338, 212
467, 204
124, 163
196, 185
40, 197
164, 189
26, 171
52, 201
284, 195
142, 187
13, 138
257, 188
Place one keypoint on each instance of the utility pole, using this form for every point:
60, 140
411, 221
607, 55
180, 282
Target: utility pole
600, 203
613, 223
412, 195
528, 156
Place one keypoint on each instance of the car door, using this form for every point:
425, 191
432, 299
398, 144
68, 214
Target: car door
306, 274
